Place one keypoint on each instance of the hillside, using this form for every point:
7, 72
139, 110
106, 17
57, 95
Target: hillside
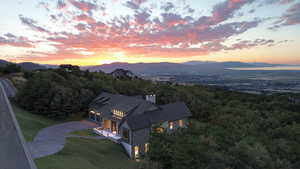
24, 65
31, 66
3, 63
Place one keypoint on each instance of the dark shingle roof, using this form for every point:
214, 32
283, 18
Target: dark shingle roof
139, 112
168, 112
134, 105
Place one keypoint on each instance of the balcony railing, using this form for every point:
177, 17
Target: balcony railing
107, 133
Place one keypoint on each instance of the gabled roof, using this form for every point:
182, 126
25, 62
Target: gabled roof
139, 112
168, 112
134, 105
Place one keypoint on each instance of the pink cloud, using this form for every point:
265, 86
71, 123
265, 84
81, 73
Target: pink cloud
85, 18
145, 34
12, 40
32, 24
227, 9
290, 17
84, 5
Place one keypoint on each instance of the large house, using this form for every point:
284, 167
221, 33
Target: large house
128, 120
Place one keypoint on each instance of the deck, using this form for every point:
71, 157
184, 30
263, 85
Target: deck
108, 134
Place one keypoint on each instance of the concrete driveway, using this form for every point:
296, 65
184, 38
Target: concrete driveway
51, 140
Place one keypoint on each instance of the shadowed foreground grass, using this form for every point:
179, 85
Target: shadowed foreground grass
88, 154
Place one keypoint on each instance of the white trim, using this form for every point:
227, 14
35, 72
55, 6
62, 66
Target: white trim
128, 148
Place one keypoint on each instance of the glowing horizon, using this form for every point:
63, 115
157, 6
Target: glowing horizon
95, 32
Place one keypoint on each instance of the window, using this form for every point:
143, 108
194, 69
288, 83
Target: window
171, 125
92, 115
97, 118
118, 113
146, 147
181, 123
125, 135
136, 151
160, 130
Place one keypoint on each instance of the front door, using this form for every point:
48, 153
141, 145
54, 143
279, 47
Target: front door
114, 127
106, 124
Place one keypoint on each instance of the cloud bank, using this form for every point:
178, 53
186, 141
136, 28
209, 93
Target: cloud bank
87, 28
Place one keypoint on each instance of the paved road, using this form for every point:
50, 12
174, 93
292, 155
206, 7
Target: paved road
51, 140
8, 87
13, 151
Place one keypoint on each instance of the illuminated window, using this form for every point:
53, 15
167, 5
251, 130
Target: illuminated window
136, 151
160, 130
118, 113
171, 125
181, 123
146, 147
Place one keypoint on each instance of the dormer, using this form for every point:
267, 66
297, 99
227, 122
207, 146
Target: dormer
118, 114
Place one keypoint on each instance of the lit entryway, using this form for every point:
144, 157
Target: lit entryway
136, 151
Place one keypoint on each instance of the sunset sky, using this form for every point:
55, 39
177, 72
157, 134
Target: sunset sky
93, 32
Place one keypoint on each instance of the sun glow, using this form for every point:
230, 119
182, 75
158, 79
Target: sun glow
107, 61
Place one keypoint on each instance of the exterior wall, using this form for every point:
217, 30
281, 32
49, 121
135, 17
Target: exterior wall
93, 118
140, 137
176, 125
141, 151
125, 126
165, 125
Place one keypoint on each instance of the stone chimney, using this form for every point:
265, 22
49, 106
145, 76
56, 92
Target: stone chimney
151, 98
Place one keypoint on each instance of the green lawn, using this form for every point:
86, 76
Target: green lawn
78, 153
87, 132
88, 154
31, 124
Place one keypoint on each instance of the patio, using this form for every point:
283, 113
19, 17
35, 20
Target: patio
107, 133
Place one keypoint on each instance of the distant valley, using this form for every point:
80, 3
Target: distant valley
255, 78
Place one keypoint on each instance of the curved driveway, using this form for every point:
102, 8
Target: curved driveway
51, 140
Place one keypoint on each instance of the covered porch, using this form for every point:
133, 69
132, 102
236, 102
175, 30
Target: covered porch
108, 128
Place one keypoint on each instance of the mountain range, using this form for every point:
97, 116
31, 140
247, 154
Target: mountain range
193, 67
28, 65
167, 68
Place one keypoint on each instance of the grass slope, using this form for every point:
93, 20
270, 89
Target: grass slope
88, 154
31, 124
78, 153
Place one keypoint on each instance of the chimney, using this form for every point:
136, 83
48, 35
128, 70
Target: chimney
151, 98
